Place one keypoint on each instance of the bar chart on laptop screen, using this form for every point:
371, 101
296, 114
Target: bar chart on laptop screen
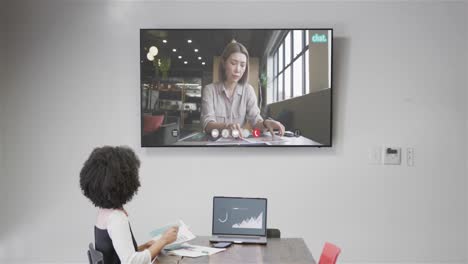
239, 216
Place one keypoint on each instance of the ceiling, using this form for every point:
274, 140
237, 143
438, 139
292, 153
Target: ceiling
209, 43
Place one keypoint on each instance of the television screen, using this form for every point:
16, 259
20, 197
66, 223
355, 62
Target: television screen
236, 87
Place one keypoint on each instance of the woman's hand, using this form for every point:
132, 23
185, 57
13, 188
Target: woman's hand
170, 235
146, 245
235, 126
271, 125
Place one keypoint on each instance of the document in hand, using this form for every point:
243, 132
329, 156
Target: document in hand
183, 235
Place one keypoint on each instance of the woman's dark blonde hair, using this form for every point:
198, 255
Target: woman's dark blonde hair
231, 48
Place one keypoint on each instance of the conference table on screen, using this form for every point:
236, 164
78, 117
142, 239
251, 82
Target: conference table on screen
200, 138
276, 251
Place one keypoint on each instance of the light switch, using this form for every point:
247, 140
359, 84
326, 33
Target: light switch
375, 155
410, 157
391, 156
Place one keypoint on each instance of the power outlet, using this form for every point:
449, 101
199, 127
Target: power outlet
391, 156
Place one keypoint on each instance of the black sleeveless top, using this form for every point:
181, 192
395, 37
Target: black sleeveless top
103, 243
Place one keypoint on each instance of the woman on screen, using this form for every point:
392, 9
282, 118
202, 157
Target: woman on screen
231, 102
109, 178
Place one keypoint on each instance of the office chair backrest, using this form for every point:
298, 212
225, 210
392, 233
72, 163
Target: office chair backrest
329, 254
94, 256
273, 233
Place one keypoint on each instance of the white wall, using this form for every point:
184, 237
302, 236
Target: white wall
397, 80
466, 77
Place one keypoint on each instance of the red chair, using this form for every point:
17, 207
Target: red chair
152, 123
329, 254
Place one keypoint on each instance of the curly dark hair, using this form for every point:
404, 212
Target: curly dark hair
109, 178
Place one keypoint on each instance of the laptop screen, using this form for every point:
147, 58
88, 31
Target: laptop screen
239, 216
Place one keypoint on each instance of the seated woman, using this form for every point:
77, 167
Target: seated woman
231, 103
109, 178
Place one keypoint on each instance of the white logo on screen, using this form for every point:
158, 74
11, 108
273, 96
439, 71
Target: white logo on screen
223, 221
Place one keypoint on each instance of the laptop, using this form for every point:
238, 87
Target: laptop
239, 220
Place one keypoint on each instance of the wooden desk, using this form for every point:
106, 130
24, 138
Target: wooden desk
277, 251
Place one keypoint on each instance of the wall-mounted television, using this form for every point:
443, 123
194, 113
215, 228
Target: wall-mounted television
236, 87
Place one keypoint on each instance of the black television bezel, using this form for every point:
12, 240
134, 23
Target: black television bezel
240, 145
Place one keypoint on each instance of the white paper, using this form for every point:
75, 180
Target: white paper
183, 235
194, 251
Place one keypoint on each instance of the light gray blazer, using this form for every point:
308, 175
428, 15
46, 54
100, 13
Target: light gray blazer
241, 108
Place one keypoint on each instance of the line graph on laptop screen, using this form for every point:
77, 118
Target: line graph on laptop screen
239, 216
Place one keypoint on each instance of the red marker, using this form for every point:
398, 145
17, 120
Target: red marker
256, 132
